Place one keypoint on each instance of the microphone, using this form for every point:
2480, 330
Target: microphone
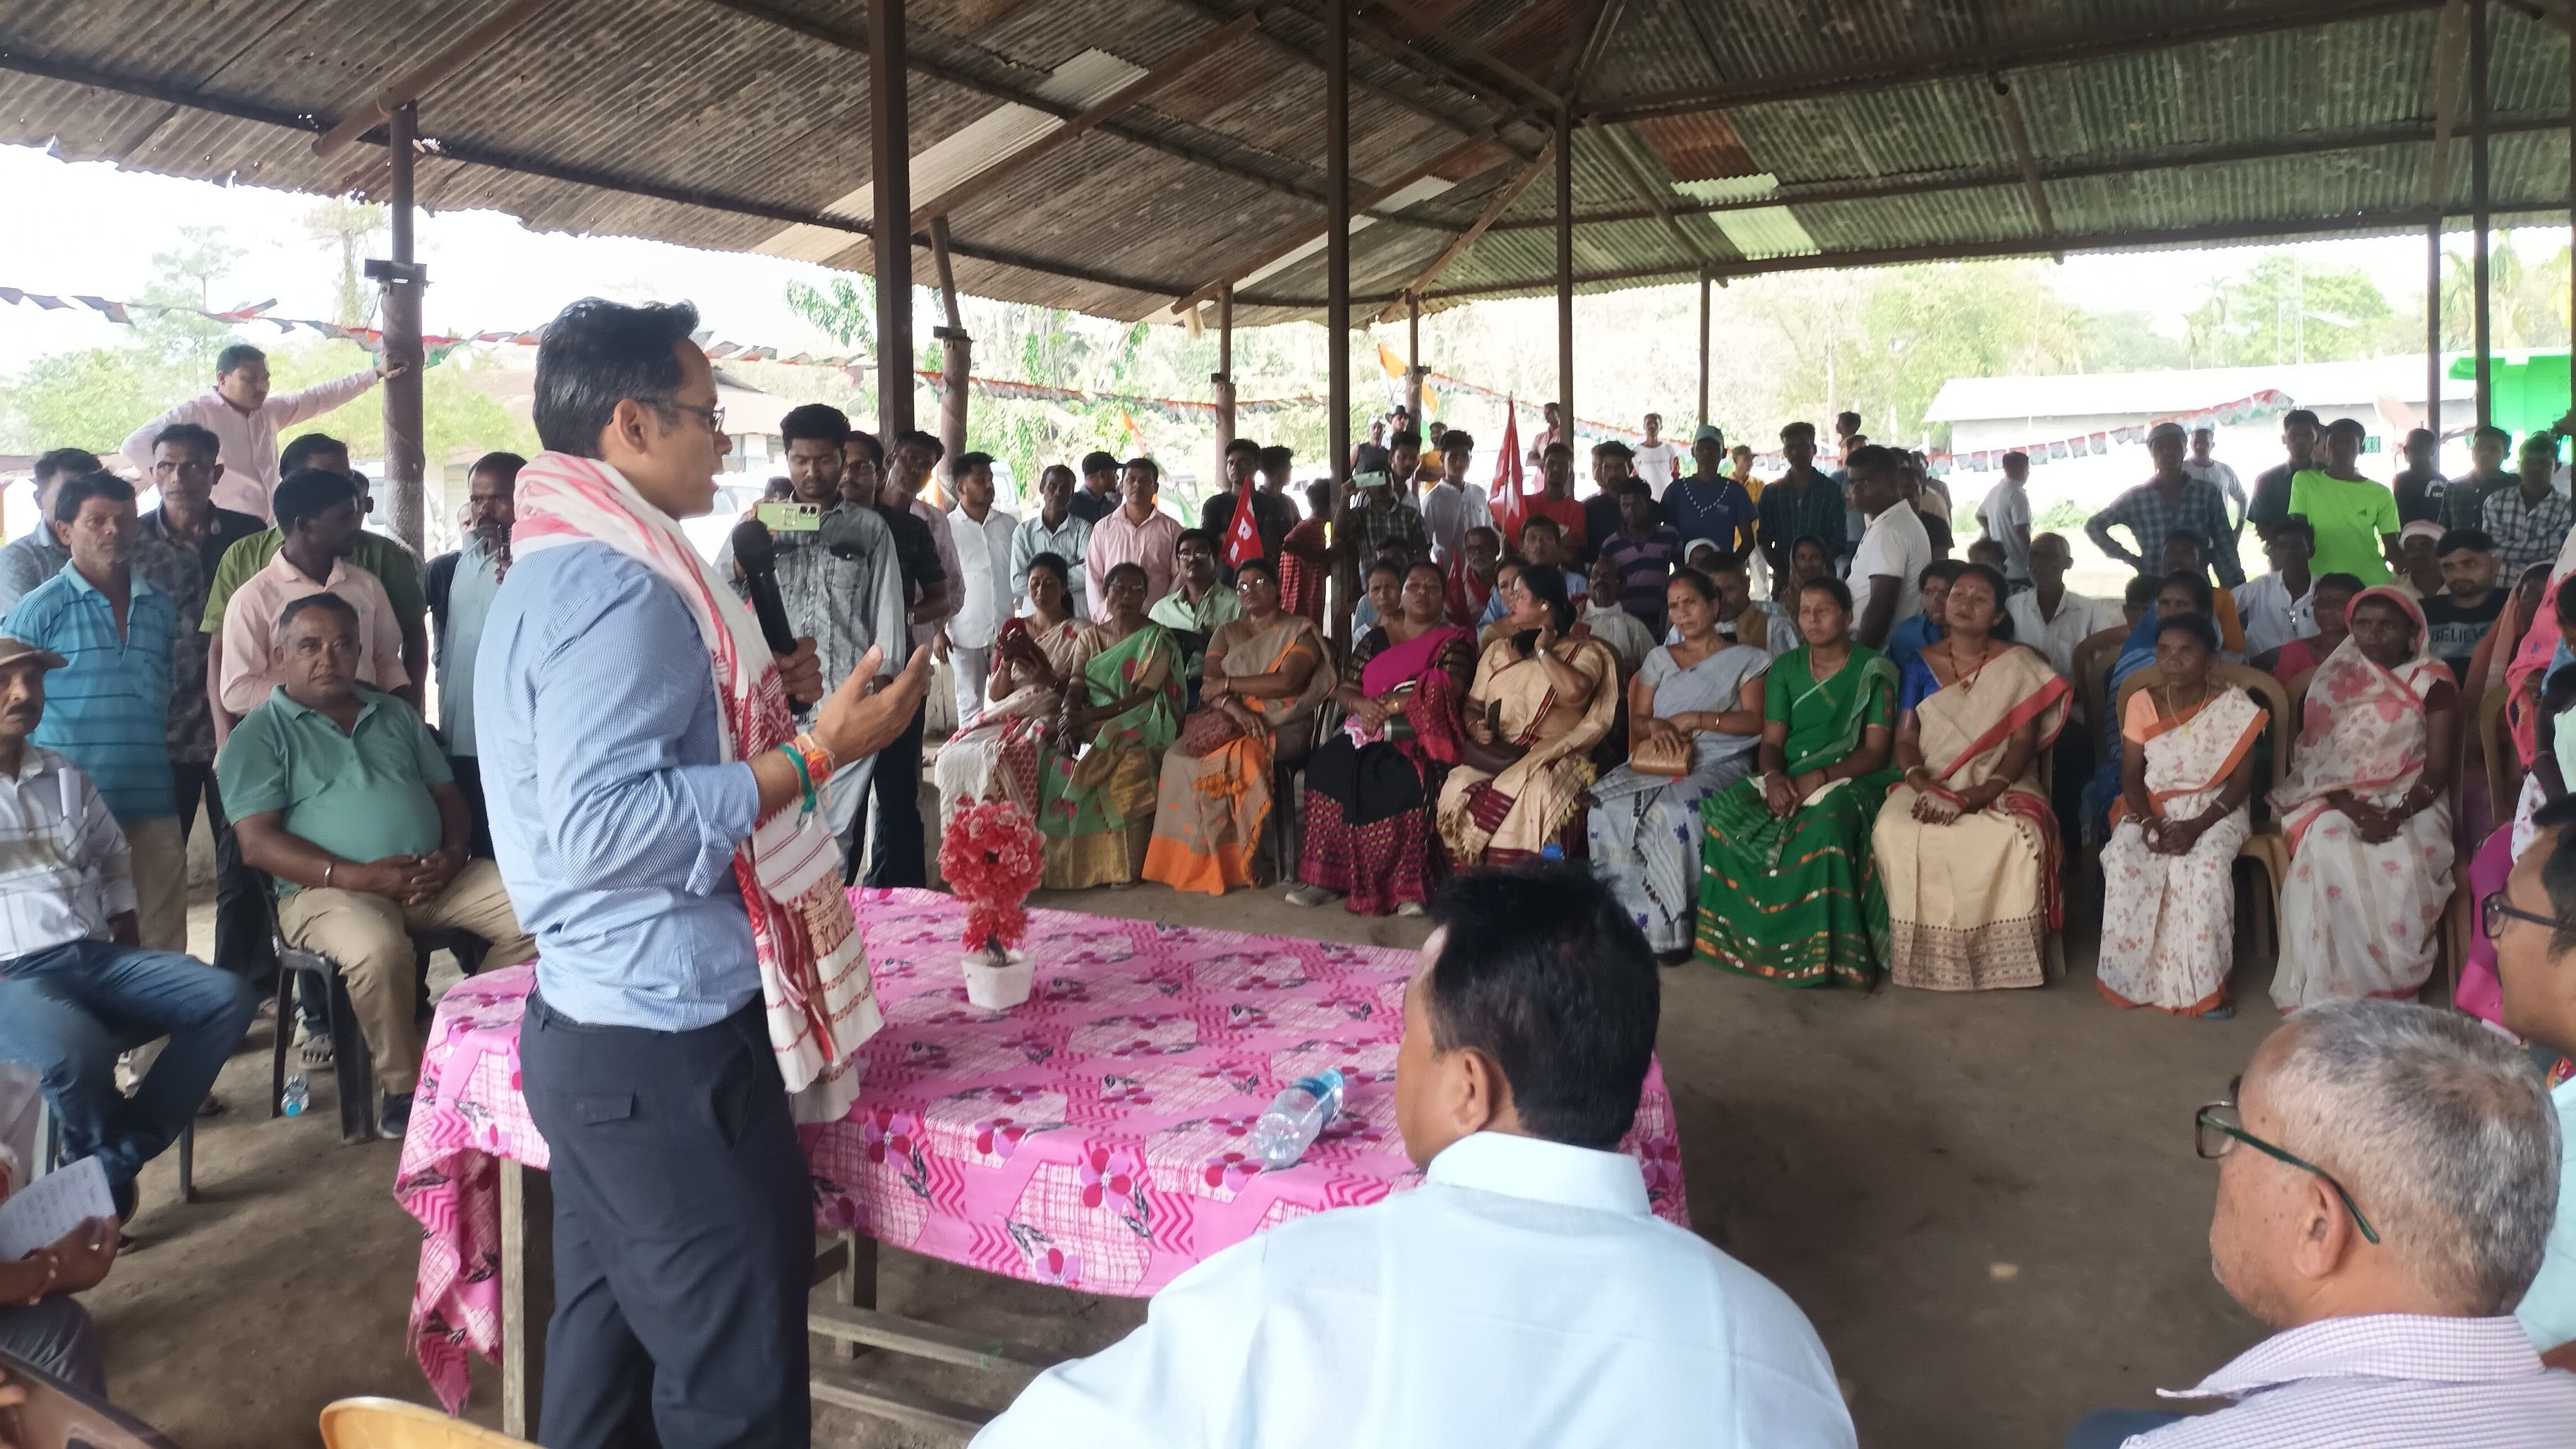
758, 559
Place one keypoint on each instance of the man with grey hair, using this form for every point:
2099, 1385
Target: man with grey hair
2387, 1177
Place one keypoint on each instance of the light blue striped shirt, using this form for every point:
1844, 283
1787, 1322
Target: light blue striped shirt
613, 818
109, 711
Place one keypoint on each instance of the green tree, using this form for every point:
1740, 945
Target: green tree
346, 226
2284, 310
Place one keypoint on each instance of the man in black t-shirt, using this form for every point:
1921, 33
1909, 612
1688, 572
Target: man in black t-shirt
2458, 617
2271, 501
894, 785
1097, 498
2419, 484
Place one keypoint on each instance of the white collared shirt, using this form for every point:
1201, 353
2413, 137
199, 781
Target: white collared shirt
1895, 546
64, 865
984, 553
2078, 618
1523, 1295
1448, 511
2270, 617
2382, 1381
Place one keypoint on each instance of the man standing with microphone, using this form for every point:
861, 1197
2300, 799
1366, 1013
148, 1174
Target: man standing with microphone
657, 817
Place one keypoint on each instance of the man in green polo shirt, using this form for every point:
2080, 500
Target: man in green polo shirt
340, 792
386, 558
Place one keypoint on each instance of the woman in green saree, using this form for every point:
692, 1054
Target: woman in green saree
1096, 793
1786, 888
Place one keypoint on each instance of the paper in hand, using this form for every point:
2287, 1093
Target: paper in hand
52, 1205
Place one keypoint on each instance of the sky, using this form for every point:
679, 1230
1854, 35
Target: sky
91, 229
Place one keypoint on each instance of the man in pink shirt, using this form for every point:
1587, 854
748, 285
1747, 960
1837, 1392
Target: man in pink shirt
1135, 534
245, 421
317, 511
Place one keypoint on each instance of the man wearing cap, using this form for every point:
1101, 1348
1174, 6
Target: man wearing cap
1097, 498
2170, 501
75, 987
1708, 504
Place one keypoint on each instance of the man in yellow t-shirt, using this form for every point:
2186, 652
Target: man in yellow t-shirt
2354, 517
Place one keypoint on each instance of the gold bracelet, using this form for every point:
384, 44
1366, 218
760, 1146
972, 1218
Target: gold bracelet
53, 1272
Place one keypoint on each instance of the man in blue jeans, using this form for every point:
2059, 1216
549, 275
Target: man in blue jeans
75, 989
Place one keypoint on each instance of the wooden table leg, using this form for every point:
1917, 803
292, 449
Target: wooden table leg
527, 1293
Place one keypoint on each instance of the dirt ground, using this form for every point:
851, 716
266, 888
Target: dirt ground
1988, 1205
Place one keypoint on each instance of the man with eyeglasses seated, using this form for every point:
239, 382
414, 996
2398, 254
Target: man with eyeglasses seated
2387, 1175
2532, 922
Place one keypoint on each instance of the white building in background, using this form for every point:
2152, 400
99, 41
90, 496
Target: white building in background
1996, 414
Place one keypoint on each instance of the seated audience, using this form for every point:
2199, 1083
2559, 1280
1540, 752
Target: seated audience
2187, 552
2419, 558
1495, 625
2297, 660
341, 793
1265, 673
1991, 553
1198, 603
2469, 601
2179, 594
76, 988
1787, 891
318, 520
1368, 829
1543, 542
2186, 773
1966, 845
1395, 558
2532, 922
2366, 804
1642, 552
1542, 699
1600, 616
1905, 642
1523, 1295
999, 755
1468, 592
40, 1322
2385, 1177
1122, 709
2280, 606
1305, 555
1694, 717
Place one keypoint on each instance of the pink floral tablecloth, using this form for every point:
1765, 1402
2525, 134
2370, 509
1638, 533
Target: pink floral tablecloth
1092, 1136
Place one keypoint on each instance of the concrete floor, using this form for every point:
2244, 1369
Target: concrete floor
1988, 1205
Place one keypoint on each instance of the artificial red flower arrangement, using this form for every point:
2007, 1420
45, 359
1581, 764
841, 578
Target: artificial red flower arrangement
992, 855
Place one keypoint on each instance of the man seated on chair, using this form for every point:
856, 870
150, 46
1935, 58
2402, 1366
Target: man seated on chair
341, 793
1524, 1294
75, 988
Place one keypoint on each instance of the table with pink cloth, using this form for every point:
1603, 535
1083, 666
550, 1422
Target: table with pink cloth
1093, 1136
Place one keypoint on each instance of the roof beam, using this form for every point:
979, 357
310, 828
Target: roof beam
2091, 44
417, 81
1307, 57
1427, 27
2008, 111
1595, 35
2449, 43
2415, 133
1646, 191
470, 153
1162, 74
1502, 202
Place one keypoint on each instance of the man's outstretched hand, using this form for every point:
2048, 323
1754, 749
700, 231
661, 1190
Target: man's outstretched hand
862, 717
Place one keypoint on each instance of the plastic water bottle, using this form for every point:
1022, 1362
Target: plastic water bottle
298, 1096
1296, 1116
1553, 851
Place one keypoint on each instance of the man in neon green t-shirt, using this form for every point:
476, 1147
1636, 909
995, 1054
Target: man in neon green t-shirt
2355, 518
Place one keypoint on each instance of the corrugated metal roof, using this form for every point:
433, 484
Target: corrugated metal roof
742, 124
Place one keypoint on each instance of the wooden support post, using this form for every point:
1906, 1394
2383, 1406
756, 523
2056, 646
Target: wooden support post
527, 1293
1703, 348
1337, 289
2478, 208
405, 456
890, 176
1413, 370
956, 362
2433, 330
1224, 379
1565, 274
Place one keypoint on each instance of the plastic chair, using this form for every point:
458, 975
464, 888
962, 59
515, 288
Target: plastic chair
393, 1424
2503, 762
353, 1067
2267, 847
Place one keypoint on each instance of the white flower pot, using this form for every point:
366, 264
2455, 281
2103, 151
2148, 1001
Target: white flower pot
998, 988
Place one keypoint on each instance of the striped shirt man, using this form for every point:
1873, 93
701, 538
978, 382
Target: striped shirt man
108, 710
64, 867
2382, 1381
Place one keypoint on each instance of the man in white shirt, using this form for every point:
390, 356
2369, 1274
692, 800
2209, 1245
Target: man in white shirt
982, 535
1524, 1295
1894, 549
2280, 606
2209, 470
2005, 516
1057, 529
75, 988
1658, 461
245, 421
2386, 1176
1453, 505
2049, 617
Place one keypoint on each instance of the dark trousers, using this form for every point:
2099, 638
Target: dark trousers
2111, 1428
242, 943
469, 782
896, 806
683, 1235
2070, 766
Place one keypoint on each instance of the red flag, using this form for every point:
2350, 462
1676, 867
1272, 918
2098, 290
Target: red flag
1506, 490
1466, 596
1243, 536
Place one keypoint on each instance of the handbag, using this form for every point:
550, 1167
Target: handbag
1668, 755
1206, 730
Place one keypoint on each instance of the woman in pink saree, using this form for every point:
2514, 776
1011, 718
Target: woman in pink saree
2367, 809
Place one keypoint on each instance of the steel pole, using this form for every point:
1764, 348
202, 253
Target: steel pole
890, 174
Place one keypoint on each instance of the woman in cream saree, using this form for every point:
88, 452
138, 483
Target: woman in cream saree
1966, 844
996, 755
1262, 677
1540, 702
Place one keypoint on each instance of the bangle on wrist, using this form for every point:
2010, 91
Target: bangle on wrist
328, 866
